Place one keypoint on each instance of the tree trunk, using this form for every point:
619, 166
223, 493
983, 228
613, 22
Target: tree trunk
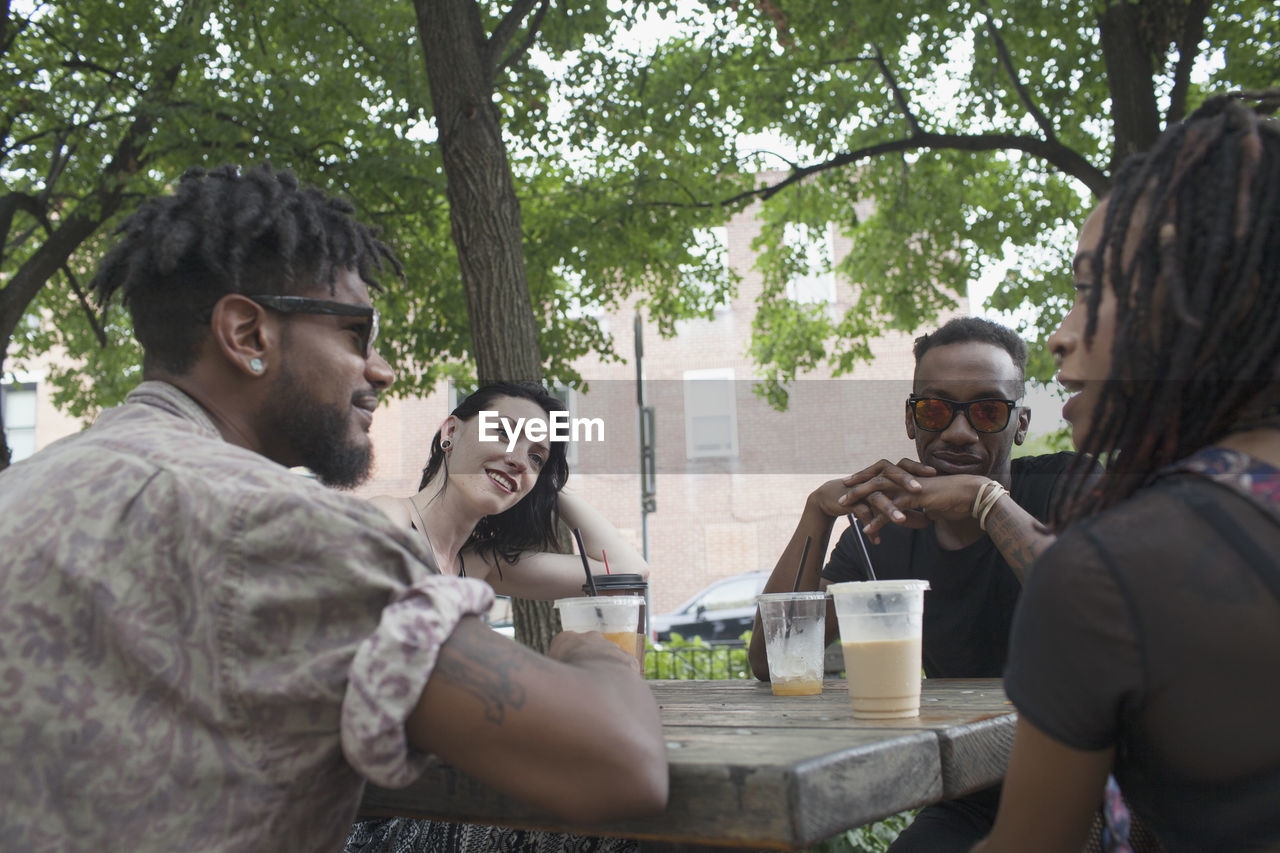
485, 217
483, 209
1126, 53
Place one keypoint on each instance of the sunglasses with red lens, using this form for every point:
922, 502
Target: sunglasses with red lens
935, 414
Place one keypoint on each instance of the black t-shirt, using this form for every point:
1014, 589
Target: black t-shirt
1155, 627
972, 592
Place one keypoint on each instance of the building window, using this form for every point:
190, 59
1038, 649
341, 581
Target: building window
458, 393
710, 414
813, 248
19, 400
711, 248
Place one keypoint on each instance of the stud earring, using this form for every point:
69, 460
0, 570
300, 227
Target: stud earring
446, 444
256, 365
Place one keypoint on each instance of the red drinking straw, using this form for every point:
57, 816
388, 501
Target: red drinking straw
606, 561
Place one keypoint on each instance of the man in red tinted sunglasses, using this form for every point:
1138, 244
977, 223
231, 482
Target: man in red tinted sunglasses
965, 516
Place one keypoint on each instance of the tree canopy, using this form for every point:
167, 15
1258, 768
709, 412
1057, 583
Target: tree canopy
979, 130
982, 131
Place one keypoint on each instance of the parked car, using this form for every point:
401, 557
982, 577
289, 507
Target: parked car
719, 613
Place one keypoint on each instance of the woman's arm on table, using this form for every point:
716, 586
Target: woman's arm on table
576, 733
1050, 794
544, 575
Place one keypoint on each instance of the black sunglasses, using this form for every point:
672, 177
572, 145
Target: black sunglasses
935, 414
306, 305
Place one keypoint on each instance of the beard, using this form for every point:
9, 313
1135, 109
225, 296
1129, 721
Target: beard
320, 435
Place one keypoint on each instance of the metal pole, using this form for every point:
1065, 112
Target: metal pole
648, 470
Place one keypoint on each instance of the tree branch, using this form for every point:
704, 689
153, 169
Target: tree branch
898, 95
506, 30
9, 205
529, 38
1056, 154
77, 64
1002, 50
88, 309
1188, 49
69, 129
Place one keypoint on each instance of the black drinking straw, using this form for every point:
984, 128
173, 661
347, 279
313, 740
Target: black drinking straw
871, 573
791, 605
804, 555
586, 567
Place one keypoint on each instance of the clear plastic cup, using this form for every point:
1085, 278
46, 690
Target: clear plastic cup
880, 628
625, 584
794, 625
615, 616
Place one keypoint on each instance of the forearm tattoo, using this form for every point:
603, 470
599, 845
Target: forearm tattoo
491, 675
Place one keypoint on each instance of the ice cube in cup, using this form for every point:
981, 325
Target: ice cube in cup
794, 625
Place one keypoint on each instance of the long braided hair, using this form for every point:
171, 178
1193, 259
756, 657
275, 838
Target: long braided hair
1191, 248
223, 232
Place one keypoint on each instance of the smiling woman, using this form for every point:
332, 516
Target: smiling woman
489, 505
488, 508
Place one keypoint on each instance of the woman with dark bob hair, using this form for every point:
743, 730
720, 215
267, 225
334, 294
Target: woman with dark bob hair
489, 509
1147, 640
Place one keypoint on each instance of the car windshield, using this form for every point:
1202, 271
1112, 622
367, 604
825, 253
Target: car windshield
740, 592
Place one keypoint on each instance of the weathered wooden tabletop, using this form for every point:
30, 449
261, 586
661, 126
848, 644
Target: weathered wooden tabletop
758, 771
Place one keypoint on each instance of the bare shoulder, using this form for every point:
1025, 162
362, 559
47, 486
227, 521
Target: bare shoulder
393, 508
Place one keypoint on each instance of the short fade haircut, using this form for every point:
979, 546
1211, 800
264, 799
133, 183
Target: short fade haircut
225, 232
963, 330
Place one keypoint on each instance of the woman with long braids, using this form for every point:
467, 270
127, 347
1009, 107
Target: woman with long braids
1147, 640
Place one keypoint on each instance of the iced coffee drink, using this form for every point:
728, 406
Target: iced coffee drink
880, 627
887, 683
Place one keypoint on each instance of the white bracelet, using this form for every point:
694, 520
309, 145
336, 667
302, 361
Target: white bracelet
977, 498
991, 494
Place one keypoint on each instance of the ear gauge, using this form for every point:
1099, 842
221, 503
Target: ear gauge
446, 443
256, 365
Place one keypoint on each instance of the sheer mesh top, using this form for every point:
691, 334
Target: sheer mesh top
1155, 627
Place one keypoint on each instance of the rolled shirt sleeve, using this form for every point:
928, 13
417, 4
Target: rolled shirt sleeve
392, 666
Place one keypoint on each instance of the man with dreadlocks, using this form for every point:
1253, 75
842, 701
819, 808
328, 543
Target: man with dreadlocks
1148, 637
202, 650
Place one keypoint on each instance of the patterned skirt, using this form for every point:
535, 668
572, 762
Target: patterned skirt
407, 835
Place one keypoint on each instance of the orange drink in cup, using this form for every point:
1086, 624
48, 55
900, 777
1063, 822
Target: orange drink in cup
614, 616
794, 624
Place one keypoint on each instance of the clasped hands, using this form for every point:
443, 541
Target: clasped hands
908, 493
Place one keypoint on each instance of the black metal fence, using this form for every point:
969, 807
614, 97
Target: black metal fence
697, 661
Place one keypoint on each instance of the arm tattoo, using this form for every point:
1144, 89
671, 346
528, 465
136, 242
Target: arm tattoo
490, 674
1017, 540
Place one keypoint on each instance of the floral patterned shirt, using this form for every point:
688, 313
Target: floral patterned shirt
199, 649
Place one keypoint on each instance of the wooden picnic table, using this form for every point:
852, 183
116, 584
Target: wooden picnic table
756, 771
